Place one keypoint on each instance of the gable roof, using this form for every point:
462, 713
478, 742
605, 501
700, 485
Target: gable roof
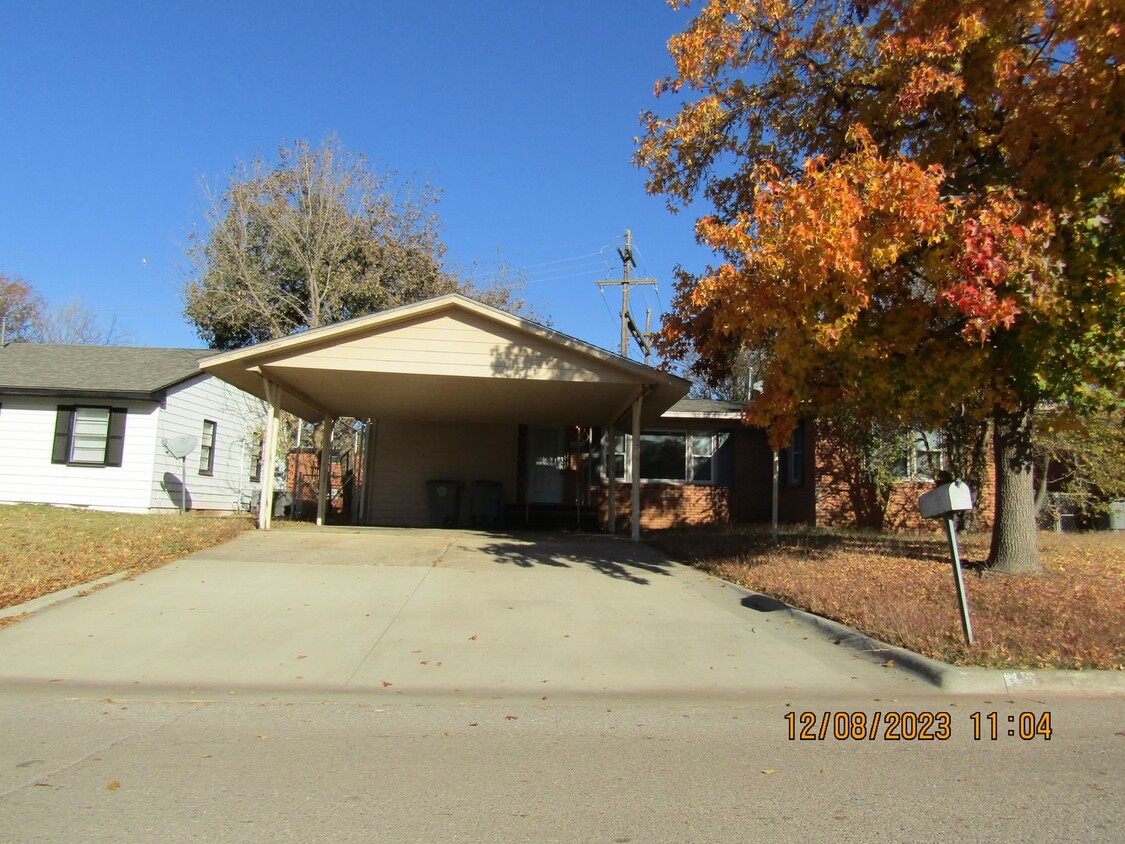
447, 358
127, 372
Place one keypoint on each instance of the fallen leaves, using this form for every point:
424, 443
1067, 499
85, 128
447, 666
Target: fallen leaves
898, 588
44, 549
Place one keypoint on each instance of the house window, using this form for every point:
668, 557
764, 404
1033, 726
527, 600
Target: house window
677, 456
89, 436
921, 457
792, 458
256, 460
701, 458
207, 448
662, 457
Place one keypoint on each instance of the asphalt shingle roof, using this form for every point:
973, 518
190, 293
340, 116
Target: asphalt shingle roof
709, 406
127, 371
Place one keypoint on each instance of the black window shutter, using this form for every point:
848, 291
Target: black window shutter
115, 444
64, 424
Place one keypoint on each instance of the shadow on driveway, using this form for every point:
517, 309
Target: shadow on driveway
612, 558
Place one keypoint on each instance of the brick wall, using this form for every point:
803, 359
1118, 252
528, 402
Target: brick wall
666, 505
844, 497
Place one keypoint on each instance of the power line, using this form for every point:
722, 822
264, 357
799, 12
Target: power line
628, 326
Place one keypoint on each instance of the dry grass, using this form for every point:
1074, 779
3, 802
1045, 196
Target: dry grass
43, 549
900, 589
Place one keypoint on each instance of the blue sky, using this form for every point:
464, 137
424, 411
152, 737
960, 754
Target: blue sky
523, 113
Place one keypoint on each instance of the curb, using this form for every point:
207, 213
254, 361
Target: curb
49, 600
953, 678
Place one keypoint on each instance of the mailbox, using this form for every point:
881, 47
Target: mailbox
946, 499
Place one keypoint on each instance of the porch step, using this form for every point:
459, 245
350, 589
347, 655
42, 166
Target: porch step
551, 517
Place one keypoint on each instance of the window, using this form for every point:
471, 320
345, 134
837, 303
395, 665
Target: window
792, 458
256, 460
89, 436
921, 457
662, 457
620, 450
207, 448
678, 456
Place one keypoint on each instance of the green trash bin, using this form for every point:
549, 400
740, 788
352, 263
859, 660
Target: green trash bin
486, 505
444, 499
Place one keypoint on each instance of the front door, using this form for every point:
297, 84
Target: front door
546, 462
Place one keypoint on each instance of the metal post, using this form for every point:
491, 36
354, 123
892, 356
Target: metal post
635, 474
325, 470
966, 624
183, 484
269, 455
611, 478
773, 516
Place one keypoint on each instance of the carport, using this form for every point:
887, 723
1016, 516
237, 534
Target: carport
449, 376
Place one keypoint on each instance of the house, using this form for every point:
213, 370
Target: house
452, 391
466, 412
88, 426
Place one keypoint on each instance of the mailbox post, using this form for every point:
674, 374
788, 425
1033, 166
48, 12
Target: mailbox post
942, 503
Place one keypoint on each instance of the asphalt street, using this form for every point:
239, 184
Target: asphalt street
114, 770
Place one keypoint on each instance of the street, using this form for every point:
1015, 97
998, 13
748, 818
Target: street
378, 767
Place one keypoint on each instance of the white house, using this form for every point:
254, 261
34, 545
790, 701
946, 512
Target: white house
87, 426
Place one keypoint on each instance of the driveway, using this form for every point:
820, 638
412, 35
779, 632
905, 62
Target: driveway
304, 611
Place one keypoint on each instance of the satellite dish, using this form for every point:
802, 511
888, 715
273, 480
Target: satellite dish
180, 447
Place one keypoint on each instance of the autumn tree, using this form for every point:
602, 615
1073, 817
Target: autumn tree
20, 308
915, 204
315, 237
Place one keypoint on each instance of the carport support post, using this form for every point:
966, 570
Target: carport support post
325, 469
635, 474
610, 463
269, 455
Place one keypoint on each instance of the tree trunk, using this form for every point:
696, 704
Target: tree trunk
1015, 541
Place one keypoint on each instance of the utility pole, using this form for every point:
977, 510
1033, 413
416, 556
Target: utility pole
627, 324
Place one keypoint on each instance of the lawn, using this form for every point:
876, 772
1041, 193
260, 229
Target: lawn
43, 549
899, 589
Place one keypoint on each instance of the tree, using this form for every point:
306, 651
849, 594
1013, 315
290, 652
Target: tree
20, 308
312, 239
1082, 457
75, 323
918, 205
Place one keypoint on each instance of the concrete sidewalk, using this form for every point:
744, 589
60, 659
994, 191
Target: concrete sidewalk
427, 612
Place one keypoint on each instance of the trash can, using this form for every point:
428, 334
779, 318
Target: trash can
1117, 515
444, 498
486, 505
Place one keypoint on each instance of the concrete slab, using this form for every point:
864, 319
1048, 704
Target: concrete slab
428, 612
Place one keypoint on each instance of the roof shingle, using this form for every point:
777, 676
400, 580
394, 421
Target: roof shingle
127, 371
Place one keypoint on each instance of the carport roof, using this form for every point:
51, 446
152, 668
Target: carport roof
449, 358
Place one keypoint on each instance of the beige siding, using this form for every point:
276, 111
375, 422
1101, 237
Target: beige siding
406, 454
457, 344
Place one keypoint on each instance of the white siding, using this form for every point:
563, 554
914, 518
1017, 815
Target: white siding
27, 428
238, 417
407, 454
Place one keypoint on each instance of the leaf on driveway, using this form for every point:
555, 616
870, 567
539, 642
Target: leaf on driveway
113, 786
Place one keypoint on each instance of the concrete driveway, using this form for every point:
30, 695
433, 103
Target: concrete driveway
305, 612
